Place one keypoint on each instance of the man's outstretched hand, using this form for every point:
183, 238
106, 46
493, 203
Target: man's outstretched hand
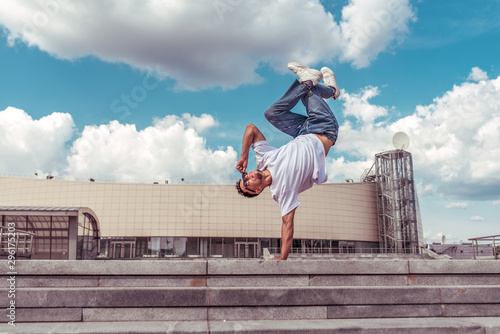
241, 166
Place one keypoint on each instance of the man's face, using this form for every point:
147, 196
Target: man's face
251, 182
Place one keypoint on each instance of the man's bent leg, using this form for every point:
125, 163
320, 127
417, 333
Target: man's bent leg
321, 119
279, 114
325, 91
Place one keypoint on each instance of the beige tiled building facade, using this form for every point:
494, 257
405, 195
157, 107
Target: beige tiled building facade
183, 220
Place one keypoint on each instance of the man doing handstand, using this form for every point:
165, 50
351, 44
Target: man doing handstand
296, 166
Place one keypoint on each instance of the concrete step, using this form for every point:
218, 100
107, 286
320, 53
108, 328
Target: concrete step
250, 290
218, 273
353, 267
258, 313
30, 281
251, 267
361, 326
258, 303
252, 296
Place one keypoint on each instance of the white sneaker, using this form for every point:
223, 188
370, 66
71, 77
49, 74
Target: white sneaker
330, 80
267, 255
305, 73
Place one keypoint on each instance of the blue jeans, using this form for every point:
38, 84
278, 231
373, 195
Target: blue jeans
319, 119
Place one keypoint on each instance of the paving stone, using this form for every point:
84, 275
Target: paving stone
134, 327
457, 279
56, 281
251, 296
344, 326
301, 267
145, 314
66, 314
109, 267
470, 294
391, 295
152, 281
471, 310
267, 313
258, 280
490, 325
358, 280
454, 267
108, 297
279, 296
364, 326
383, 311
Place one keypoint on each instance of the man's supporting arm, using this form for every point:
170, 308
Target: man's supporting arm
286, 235
252, 135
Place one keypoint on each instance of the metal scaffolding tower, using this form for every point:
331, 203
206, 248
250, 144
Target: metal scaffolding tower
399, 228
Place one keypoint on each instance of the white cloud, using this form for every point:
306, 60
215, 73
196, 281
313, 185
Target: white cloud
459, 138
425, 189
477, 218
461, 205
455, 141
203, 44
496, 202
477, 74
28, 146
200, 124
371, 26
357, 105
339, 170
168, 150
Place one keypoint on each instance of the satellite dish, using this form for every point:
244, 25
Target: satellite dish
400, 140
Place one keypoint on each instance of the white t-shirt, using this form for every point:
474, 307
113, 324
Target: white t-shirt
294, 168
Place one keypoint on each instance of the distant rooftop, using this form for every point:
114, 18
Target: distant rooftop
218, 181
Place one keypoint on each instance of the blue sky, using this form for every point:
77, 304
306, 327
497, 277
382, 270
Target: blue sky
154, 90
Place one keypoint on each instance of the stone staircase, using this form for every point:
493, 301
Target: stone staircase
252, 296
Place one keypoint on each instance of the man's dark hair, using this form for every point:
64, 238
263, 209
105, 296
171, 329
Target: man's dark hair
238, 187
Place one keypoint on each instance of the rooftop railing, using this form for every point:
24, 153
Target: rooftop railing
343, 250
493, 240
